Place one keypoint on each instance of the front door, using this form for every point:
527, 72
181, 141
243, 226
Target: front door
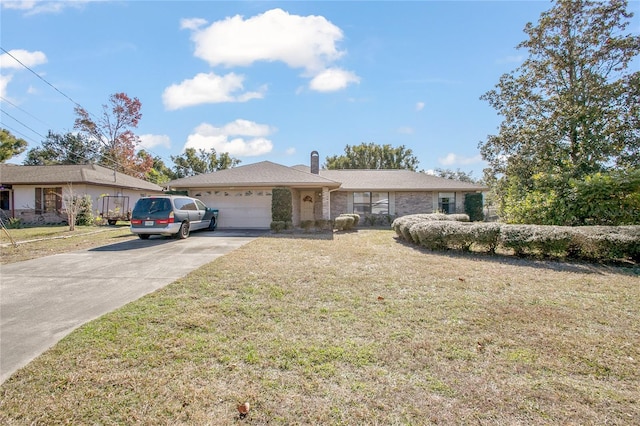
307, 202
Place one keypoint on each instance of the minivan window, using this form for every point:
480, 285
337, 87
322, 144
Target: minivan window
151, 205
200, 205
184, 204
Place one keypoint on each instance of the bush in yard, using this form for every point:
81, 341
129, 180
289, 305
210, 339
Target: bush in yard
486, 235
435, 235
14, 223
402, 224
473, 206
344, 222
605, 242
595, 243
324, 224
85, 213
307, 224
355, 216
281, 205
278, 225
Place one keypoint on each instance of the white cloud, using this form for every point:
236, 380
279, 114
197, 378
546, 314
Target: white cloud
333, 79
419, 106
149, 141
239, 138
34, 7
27, 58
307, 42
290, 151
208, 88
4, 81
192, 23
455, 159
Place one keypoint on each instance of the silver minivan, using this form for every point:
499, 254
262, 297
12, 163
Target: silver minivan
174, 215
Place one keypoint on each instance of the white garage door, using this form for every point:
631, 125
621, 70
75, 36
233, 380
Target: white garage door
248, 208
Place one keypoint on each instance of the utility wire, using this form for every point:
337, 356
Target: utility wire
23, 110
17, 132
37, 75
18, 121
72, 101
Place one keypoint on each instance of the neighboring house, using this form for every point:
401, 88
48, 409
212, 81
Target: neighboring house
36, 194
243, 194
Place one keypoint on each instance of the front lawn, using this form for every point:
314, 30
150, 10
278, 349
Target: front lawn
355, 329
34, 242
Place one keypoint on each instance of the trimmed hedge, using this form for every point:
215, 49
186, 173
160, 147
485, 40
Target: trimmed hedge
347, 221
594, 243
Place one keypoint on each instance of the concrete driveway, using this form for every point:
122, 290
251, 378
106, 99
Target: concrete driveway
43, 300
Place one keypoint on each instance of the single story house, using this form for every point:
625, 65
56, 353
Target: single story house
243, 194
35, 194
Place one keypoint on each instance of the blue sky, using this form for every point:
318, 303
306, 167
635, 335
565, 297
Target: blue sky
268, 80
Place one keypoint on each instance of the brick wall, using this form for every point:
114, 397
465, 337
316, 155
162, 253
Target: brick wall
338, 204
413, 203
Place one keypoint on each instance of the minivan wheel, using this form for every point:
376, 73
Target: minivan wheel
144, 236
184, 231
212, 224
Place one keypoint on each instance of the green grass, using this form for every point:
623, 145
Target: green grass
357, 329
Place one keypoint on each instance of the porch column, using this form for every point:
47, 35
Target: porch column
326, 204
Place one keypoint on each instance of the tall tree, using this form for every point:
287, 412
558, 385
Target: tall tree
570, 110
192, 162
373, 156
10, 146
114, 130
159, 173
455, 175
64, 149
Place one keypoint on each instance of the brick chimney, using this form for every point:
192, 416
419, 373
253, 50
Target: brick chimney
315, 162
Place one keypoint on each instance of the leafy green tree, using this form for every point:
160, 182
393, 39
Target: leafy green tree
193, 162
373, 156
64, 149
159, 173
571, 110
455, 175
10, 146
114, 130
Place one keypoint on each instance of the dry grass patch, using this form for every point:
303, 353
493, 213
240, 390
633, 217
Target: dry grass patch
358, 329
48, 240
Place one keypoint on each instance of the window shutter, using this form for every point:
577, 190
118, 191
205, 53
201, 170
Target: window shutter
38, 200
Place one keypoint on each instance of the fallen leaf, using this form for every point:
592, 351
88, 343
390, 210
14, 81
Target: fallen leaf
243, 409
380, 298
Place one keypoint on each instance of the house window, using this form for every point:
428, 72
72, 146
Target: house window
447, 202
371, 203
48, 200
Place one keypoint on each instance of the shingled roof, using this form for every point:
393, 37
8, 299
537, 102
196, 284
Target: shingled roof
264, 173
11, 174
393, 180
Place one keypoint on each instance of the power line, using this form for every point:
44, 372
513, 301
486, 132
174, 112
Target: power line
18, 121
23, 110
153, 154
17, 132
37, 75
